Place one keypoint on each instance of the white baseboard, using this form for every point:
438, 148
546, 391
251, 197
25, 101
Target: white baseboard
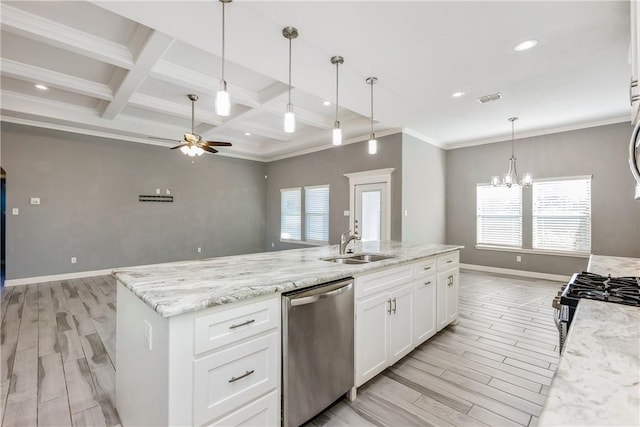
56, 277
520, 273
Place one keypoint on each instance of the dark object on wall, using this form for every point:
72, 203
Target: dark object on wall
155, 198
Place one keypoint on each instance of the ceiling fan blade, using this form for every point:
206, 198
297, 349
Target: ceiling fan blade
162, 139
178, 146
218, 144
209, 149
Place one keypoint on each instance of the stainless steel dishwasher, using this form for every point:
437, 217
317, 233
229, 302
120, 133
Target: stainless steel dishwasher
317, 349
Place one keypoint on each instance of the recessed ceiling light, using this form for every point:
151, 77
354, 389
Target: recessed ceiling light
457, 94
247, 133
525, 45
325, 103
41, 87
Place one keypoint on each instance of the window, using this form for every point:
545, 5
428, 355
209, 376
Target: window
499, 215
316, 213
290, 214
562, 214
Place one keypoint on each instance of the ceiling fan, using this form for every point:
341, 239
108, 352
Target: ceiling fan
192, 144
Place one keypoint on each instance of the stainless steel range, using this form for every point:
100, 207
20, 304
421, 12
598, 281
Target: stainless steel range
619, 290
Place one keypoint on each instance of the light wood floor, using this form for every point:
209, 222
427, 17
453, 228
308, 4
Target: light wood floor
493, 368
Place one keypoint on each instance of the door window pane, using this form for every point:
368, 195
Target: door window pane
371, 226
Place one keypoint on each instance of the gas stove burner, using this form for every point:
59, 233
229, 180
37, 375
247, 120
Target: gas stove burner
621, 290
598, 295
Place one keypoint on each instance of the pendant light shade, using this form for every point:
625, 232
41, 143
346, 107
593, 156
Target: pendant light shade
289, 33
337, 132
511, 177
223, 101
373, 142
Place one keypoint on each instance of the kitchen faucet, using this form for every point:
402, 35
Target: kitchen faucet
345, 238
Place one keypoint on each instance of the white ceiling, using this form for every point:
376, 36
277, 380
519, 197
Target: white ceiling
123, 69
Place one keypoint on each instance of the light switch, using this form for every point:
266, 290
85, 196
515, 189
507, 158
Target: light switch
346, 213
35, 200
15, 211
406, 212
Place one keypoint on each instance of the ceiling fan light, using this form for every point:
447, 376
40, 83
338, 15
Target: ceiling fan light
184, 149
337, 135
289, 120
373, 146
223, 102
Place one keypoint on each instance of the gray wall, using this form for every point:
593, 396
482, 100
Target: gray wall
423, 191
328, 167
89, 208
599, 151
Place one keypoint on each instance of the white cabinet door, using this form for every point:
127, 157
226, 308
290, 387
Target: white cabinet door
372, 319
425, 309
634, 90
453, 278
441, 300
401, 323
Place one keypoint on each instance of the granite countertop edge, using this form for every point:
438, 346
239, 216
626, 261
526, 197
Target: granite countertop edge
176, 288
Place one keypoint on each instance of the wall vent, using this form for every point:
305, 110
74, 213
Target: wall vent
488, 98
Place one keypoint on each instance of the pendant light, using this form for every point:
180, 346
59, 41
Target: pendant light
223, 101
289, 33
373, 143
511, 177
337, 132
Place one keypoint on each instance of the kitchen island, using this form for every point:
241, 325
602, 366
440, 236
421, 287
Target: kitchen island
198, 342
598, 378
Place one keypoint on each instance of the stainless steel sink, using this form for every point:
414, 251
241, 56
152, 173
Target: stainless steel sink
357, 258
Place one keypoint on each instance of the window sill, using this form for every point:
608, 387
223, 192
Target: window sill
304, 242
532, 251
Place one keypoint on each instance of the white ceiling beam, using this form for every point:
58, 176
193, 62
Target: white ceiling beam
304, 116
30, 73
155, 46
201, 83
83, 116
159, 105
43, 30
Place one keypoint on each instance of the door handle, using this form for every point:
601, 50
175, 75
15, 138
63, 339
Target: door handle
389, 310
313, 298
394, 306
246, 374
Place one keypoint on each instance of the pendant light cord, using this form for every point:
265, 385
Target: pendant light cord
512, 139
223, 41
193, 107
372, 136
337, 64
289, 70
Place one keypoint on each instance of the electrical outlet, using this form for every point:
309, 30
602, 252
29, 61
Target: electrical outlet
406, 212
346, 213
35, 200
518, 258
15, 211
157, 191
273, 245
199, 250
168, 192
74, 260
148, 335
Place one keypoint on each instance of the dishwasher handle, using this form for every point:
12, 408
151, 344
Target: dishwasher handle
320, 293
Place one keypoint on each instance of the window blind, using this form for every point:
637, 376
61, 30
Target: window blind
316, 212
499, 216
290, 214
562, 215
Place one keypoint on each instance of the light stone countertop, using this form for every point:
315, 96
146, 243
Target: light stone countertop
180, 287
614, 265
597, 382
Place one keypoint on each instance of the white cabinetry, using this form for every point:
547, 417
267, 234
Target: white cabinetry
425, 307
384, 320
634, 90
217, 366
447, 296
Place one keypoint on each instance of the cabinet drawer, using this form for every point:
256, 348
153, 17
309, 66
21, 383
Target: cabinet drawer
225, 327
382, 280
448, 260
425, 267
264, 411
234, 377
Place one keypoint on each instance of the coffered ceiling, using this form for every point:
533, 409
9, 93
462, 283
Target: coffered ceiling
123, 69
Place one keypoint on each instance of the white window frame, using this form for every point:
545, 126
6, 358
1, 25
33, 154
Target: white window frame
306, 215
483, 245
288, 190
571, 251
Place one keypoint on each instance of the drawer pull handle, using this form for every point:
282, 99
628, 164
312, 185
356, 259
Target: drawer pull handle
394, 306
427, 268
389, 310
427, 283
449, 261
246, 374
242, 324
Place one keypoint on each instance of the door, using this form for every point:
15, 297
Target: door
372, 319
371, 220
425, 310
442, 284
401, 323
